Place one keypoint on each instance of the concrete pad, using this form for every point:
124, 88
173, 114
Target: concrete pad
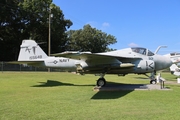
130, 87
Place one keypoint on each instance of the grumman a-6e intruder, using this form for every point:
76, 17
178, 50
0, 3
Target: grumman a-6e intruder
121, 62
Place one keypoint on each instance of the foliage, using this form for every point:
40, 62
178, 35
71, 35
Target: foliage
28, 19
10, 28
89, 39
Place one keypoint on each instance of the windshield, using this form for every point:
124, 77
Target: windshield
142, 51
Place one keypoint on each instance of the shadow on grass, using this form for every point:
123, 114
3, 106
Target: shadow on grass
110, 94
143, 78
112, 90
53, 83
116, 90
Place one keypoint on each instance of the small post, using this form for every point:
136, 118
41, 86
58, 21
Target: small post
2, 66
163, 84
20, 67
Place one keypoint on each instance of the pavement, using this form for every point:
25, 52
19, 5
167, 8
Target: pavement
131, 87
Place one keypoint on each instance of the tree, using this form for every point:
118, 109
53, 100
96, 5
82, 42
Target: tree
89, 39
10, 29
37, 23
59, 27
28, 19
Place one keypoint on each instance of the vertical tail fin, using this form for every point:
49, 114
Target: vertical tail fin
30, 51
175, 70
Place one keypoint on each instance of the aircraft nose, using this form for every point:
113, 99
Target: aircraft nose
168, 62
163, 62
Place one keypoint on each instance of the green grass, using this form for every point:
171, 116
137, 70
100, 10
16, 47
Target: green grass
52, 96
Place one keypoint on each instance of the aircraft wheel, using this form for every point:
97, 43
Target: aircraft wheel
101, 82
153, 81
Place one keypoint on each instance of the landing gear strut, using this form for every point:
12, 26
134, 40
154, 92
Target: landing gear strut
152, 78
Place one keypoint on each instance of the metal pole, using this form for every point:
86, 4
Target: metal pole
49, 40
49, 47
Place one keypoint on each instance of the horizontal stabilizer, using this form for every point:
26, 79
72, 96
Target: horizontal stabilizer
33, 63
25, 62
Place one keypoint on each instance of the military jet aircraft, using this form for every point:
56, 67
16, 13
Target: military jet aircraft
136, 60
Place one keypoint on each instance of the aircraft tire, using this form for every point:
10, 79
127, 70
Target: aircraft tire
153, 81
101, 82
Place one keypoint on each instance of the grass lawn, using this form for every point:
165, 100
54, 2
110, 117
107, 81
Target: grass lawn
52, 96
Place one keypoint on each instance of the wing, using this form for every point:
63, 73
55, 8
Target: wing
100, 62
90, 56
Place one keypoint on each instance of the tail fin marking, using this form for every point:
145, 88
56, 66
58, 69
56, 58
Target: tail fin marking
31, 51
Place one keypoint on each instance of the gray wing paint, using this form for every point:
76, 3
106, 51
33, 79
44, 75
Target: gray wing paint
88, 56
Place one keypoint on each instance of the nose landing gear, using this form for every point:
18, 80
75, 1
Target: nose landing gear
153, 81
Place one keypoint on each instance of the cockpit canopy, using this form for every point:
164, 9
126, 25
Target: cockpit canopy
174, 53
142, 51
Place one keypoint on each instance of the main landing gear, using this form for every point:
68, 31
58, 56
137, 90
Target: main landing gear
101, 81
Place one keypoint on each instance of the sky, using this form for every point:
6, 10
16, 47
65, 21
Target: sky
134, 23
